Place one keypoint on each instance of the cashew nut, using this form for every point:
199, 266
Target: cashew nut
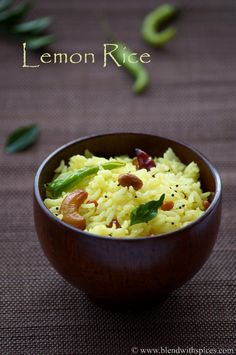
70, 209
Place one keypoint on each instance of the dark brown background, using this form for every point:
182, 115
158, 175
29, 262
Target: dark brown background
191, 98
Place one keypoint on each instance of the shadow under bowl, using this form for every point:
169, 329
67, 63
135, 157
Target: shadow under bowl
145, 268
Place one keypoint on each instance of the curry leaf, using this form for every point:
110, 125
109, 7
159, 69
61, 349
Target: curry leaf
4, 4
22, 138
39, 42
146, 211
14, 14
32, 27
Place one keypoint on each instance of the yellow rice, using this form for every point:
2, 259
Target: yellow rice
179, 183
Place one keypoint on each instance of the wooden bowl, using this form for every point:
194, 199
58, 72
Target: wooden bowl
132, 268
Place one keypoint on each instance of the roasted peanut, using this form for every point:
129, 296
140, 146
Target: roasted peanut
206, 204
127, 180
167, 206
70, 209
135, 162
115, 223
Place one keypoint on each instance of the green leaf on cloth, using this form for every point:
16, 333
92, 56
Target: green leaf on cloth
22, 138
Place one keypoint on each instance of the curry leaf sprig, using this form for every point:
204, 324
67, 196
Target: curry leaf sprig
32, 32
146, 211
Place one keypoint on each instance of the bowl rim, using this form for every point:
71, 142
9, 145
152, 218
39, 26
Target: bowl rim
80, 232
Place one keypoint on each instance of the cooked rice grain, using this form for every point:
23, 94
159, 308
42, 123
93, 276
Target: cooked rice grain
179, 183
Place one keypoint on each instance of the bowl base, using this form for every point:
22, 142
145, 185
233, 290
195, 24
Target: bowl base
129, 306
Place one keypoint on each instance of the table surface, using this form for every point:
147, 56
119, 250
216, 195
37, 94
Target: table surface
191, 98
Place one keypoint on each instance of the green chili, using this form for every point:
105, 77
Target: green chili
59, 185
137, 70
151, 25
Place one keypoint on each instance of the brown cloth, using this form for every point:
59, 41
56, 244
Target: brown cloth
191, 98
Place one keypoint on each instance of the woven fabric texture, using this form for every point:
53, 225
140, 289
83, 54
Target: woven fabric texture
191, 98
